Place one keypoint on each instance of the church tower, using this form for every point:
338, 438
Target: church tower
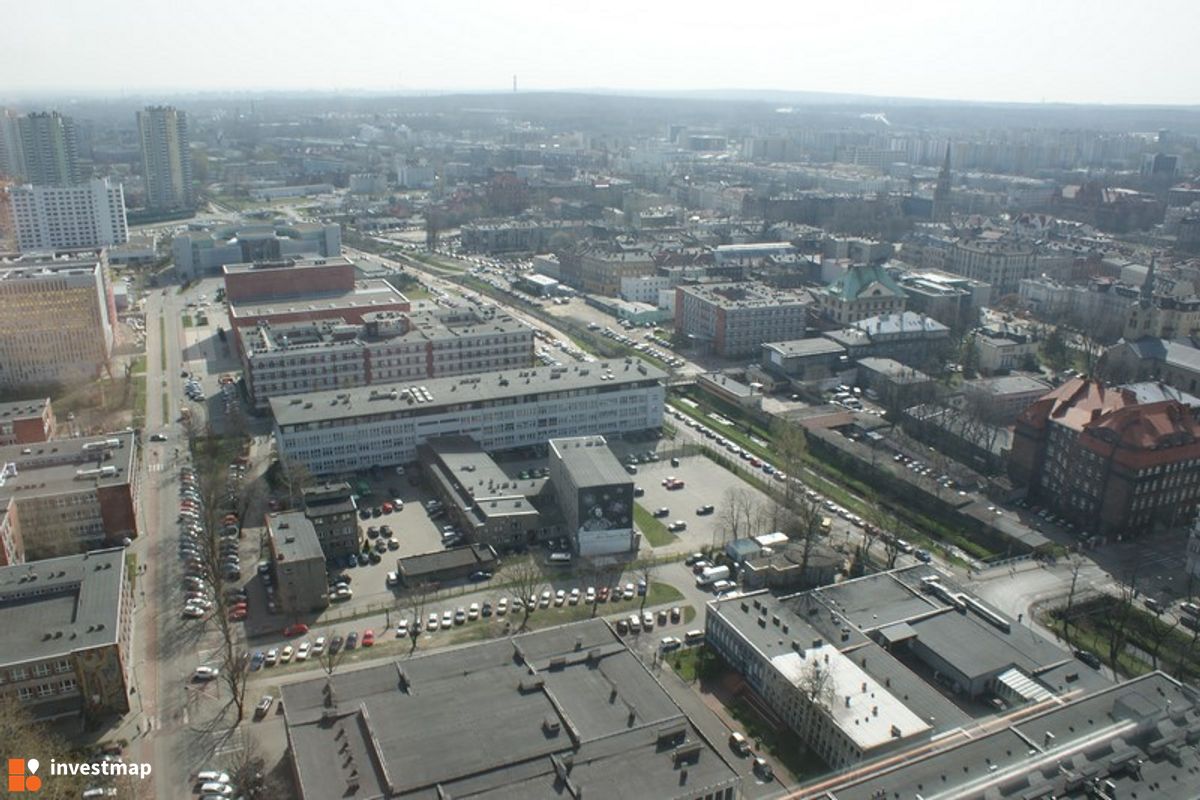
941, 194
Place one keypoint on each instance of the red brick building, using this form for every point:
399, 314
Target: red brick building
26, 422
262, 281
1106, 462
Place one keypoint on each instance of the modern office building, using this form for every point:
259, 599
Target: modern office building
58, 320
862, 291
67, 625
385, 347
732, 320
332, 511
86, 215
350, 306
565, 712
297, 563
206, 250
345, 431
851, 667
1107, 462
72, 495
26, 421
40, 148
166, 159
595, 494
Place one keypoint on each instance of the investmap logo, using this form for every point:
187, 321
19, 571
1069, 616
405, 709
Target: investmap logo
22, 775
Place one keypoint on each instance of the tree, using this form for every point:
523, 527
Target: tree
23, 736
645, 573
736, 515
604, 576
328, 658
1076, 563
969, 357
526, 580
417, 598
248, 771
1119, 612
295, 476
817, 683
1054, 350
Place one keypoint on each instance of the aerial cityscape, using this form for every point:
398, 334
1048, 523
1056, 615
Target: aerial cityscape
489, 402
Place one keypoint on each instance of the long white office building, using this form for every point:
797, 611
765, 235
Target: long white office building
60, 217
343, 431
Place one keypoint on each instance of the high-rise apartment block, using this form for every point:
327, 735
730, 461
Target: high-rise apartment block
166, 159
58, 321
88, 215
41, 149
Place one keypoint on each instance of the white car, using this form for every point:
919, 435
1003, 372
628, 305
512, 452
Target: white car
285, 655
212, 776
545, 603
318, 646
473, 611
590, 596
573, 598
432, 624
303, 651
502, 607
215, 788
560, 597
447, 618
402, 628
205, 673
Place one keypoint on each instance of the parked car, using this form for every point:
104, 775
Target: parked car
264, 706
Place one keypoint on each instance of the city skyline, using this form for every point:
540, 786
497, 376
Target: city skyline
1012, 52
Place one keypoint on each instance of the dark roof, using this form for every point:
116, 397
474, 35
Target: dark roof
61, 605
568, 705
293, 536
475, 556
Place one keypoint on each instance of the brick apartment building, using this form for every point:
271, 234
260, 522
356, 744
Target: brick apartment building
1108, 463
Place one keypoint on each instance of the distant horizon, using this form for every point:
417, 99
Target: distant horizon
798, 96
1074, 52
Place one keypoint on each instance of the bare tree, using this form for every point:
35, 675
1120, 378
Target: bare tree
645, 573
1076, 565
604, 576
1119, 617
295, 476
804, 529
24, 736
736, 515
818, 684
417, 598
330, 658
248, 771
527, 581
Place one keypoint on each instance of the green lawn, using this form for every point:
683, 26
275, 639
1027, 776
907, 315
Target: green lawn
691, 663
187, 321
166, 409
131, 569
139, 401
656, 533
139, 365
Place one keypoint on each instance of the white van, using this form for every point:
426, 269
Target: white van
559, 559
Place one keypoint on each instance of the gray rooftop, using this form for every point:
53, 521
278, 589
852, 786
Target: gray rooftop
23, 409
798, 348
365, 294
67, 466
570, 704
1152, 392
288, 263
455, 391
61, 605
589, 461
894, 370
906, 322
327, 499
293, 536
472, 555
1008, 384
745, 295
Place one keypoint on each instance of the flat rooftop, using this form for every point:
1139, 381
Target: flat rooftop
568, 705
285, 264
437, 393
64, 466
365, 294
589, 461
294, 537
745, 295
23, 409
61, 605
473, 555
799, 348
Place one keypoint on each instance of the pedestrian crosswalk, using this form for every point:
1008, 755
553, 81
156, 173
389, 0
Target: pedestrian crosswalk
156, 467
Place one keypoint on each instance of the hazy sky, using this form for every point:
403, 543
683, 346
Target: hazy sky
1111, 51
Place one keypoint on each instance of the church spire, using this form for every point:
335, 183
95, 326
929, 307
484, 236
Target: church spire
1148, 284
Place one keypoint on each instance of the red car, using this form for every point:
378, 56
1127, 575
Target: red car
238, 614
368, 638
602, 593
387, 508
298, 629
